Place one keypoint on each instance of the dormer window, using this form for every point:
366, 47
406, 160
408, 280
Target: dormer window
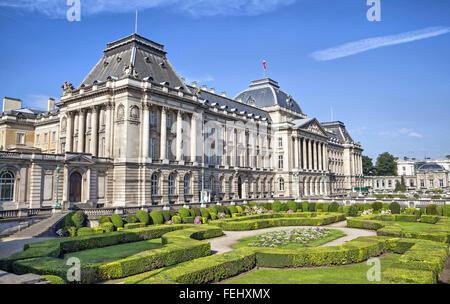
251, 101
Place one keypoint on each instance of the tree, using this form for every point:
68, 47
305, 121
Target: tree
400, 187
368, 168
386, 165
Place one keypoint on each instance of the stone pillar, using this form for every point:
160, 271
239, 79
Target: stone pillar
145, 129
325, 154
69, 132
81, 135
94, 131
320, 157
309, 155
163, 143
225, 143
305, 161
193, 138
179, 136
296, 166
235, 148
108, 129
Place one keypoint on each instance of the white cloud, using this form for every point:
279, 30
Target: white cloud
415, 134
36, 101
58, 8
364, 45
401, 132
205, 78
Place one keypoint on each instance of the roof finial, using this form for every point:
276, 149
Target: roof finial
135, 25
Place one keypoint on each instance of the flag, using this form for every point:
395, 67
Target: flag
264, 64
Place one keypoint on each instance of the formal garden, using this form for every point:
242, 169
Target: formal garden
290, 243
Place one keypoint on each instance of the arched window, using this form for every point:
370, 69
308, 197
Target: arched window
281, 184
171, 184
187, 184
6, 186
155, 186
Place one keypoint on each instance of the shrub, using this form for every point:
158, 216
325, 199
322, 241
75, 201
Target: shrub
78, 218
326, 207
319, 207
341, 209
68, 221
54, 279
226, 210
446, 210
376, 206
131, 219
284, 207
133, 225
359, 207
268, 206
205, 213
176, 219
350, 210
183, 212
333, 207
104, 219
197, 211
157, 217
117, 220
85, 231
305, 206
240, 210
432, 209
108, 226
233, 209
166, 215
367, 206
276, 206
292, 205
312, 207
395, 208
412, 211
72, 231
188, 220
440, 210
213, 210
191, 212
142, 216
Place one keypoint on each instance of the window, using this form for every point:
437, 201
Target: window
431, 183
441, 183
280, 142
171, 184
411, 183
45, 138
422, 183
404, 168
6, 186
389, 183
280, 161
187, 184
151, 148
169, 120
53, 136
20, 140
168, 147
378, 184
281, 184
152, 118
37, 139
155, 188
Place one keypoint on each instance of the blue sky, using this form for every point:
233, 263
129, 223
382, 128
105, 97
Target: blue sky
394, 98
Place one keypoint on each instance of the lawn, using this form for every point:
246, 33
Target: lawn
113, 253
334, 234
351, 274
414, 227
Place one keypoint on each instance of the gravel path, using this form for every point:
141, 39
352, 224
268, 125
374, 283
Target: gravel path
225, 243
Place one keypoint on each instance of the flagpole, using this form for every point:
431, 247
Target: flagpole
135, 25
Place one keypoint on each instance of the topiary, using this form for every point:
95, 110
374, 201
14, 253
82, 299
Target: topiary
305, 206
319, 207
54, 279
157, 217
284, 207
197, 211
333, 207
108, 226
312, 207
226, 210
239, 209
367, 206
395, 208
68, 221
117, 221
78, 219
233, 209
191, 212
292, 205
72, 231
213, 210
350, 210
341, 209
166, 215
142, 216
359, 207
131, 219
183, 212
432, 209
268, 206
276, 206
205, 213
172, 213
176, 219
446, 210
104, 219
440, 210
85, 231
376, 206
326, 207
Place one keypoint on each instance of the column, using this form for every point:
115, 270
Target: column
81, 135
193, 138
309, 154
69, 132
296, 153
325, 154
108, 128
225, 151
305, 166
145, 129
235, 147
320, 157
314, 155
179, 136
163, 142
94, 127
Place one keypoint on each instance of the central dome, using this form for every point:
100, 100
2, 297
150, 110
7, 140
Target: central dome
265, 93
431, 167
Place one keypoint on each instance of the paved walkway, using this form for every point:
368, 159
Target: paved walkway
225, 243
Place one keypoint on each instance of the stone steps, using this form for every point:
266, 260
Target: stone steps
38, 228
29, 278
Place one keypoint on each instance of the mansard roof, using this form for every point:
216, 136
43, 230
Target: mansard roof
229, 104
338, 128
136, 56
265, 93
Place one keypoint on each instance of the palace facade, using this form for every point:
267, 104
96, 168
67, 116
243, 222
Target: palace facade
133, 133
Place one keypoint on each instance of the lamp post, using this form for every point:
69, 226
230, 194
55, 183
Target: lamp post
202, 194
324, 194
56, 205
384, 184
296, 179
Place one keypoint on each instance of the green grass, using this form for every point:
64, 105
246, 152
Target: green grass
352, 274
414, 227
113, 253
335, 234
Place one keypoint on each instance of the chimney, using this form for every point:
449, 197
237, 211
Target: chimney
50, 104
204, 88
224, 94
194, 84
11, 104
212, 90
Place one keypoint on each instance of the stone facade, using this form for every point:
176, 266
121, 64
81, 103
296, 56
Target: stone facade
134, 134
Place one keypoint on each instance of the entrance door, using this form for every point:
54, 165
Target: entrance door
239, 187
75, 187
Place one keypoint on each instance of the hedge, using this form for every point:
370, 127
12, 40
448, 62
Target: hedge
108, 226
134, 225
117, 220
166, 215
142, 216
78, 218
54, 279
157, 217
130, 219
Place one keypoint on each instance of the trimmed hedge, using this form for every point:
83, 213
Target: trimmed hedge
108, 226
157, 217
117, 220
142, 216
183, 212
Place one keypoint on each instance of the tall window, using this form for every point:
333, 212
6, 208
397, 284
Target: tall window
155, 188
441, 183
431, 183
281, 184
6, 186
53, 136
45, 138
280, 142
171, 184
187, 184
152, 118
280, 161
411, 183
151, 148
20, 140
422, 183
37, 140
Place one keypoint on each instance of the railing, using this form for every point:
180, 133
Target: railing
20, 213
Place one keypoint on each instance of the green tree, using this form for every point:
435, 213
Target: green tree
386, 165
400, 187
368, 168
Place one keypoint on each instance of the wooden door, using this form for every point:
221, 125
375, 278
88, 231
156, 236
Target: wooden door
75, 187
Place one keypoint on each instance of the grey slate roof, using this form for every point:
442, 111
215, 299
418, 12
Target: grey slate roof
266, 92
431, 167
339, 130
230, 104
144, 57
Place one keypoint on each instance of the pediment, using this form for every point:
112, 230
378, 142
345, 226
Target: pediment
79, 159
315, 128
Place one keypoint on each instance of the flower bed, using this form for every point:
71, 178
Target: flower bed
284, 237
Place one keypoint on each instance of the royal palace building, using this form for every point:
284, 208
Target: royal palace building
133, 133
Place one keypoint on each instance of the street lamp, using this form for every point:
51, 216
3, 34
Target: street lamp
56, 205
296, 179
324, 194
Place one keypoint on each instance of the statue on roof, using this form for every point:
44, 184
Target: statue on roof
67, 88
